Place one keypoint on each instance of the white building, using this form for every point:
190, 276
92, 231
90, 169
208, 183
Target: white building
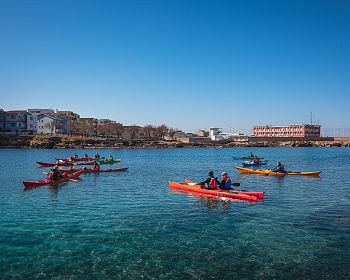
47, 124
32, 118
214, 133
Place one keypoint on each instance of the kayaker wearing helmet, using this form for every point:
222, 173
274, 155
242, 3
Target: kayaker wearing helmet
279, 168
225, 183
211, 182
96, 166
55, 174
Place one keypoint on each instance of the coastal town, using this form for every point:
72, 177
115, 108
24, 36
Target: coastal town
42, 128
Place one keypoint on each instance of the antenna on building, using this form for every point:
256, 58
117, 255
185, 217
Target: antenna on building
311, 117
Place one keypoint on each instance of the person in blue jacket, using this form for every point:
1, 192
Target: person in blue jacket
279, 168
225, 183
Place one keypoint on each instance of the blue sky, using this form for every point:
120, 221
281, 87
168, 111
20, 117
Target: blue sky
188, 64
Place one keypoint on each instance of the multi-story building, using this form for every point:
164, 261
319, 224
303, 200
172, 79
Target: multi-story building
16, 120
51, 124
89, 125
71, 121
295, 130
202, 133
214, 133
2, 119
32, 118
104, 121
69, 115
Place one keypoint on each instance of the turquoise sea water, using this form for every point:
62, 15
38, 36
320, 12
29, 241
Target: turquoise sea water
130, 225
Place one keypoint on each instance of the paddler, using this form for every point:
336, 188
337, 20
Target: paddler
211, 182
251, 156
97, 156
110, 158
225, 183
96, 166
279, 168
257, 160
85, 156
55, 174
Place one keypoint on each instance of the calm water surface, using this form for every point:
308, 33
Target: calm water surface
130, 225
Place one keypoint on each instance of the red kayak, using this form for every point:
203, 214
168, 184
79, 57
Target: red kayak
49, 164
104, 170
215, 192
259, 195
80, 159
47, 181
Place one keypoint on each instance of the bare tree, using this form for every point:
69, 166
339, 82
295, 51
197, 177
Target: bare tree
101, 129
133, 129
85, 128
149, 131
162, 130
117, 129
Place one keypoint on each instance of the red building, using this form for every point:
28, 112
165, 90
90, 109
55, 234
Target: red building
295, 130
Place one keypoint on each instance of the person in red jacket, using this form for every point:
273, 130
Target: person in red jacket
96, 166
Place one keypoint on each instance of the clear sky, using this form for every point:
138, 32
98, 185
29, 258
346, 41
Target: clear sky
188, 64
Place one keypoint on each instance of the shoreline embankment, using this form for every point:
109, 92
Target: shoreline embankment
63, 142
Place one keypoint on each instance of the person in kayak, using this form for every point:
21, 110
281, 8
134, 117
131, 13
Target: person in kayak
96, 166
74, 156
55, 174
211, 182
110, 158
257, 160
251, 156
225, 183
279, 168
97, 156
85, 156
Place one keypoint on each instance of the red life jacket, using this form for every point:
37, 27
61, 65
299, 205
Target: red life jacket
51, 175
96, 167
213, 184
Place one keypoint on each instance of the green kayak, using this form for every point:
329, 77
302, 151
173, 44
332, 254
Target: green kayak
108, 161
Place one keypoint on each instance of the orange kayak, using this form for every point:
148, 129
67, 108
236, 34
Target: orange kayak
259, 195
215, 192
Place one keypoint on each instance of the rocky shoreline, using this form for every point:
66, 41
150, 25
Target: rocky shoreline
56, 142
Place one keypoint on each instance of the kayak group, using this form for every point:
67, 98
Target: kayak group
223, 188
211, 186
57, 175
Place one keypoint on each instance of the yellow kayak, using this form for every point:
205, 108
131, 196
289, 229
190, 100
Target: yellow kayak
269, 172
